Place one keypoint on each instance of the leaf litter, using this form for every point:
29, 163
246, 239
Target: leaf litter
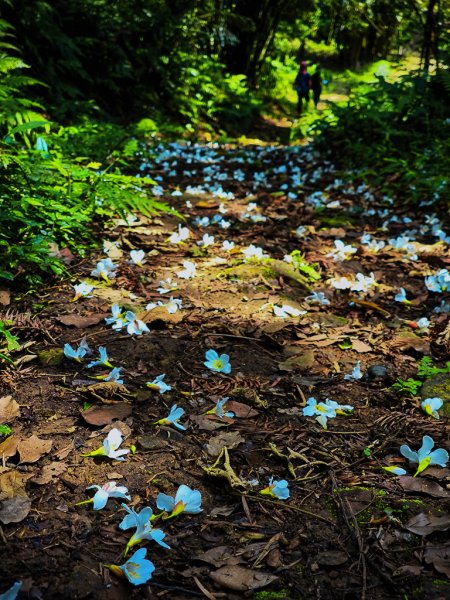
343, 509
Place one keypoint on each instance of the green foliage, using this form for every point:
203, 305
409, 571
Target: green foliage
426, 369
11, 340
300, 263
397, 134
408, 387
50, 194
5, 430
206, 95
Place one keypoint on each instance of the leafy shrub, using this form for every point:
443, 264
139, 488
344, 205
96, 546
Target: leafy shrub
398, 132
208, 97
49, 194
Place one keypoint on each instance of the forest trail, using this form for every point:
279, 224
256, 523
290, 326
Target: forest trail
293, 273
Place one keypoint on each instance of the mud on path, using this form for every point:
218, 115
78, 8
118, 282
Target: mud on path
349, 529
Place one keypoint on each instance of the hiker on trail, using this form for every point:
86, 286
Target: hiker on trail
316, 85
302, 85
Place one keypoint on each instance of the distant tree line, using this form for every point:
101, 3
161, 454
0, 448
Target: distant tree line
129, 55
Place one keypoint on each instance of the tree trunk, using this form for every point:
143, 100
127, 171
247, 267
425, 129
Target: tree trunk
428, 35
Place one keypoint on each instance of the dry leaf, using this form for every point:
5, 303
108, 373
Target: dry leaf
240, 410
64, 452
239, 579
9, 447
422, 485
115, 296
112, 250
439, 557
407, 339
15, 504
5, 297
9, 409
205, 423
103, 415
31, 449
160, 314
15, 509
82, 322
49, 472
424, 524
299, 362
408, 571
219, 556
12, 483
230, 439
59, 425
274, 326
360, 346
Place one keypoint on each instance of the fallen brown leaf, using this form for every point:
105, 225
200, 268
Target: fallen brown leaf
115, 296
204, 423
426, 523
406, 339
64, 452
239, 579
360, 346
112, 250
422, 485
82, 322
12, 483
299, 362
103, 415
9, 447
49, 472
240, 410
32, 448
230, 439
9, 409
219, 556
160, 314
5, 297
15, 509
439, 557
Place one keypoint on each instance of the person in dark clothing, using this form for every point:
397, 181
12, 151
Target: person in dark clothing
302, 85
316, 85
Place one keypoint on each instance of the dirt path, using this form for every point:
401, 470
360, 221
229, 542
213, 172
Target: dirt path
349, 529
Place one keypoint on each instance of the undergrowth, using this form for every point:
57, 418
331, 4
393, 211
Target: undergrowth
396, 134
50, 191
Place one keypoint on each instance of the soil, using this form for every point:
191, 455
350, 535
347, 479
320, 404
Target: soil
345, 531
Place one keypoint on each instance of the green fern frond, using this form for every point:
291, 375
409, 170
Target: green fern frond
10, 63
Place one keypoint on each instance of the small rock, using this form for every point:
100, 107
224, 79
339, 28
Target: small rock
151, 442
52, 357
376, 374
